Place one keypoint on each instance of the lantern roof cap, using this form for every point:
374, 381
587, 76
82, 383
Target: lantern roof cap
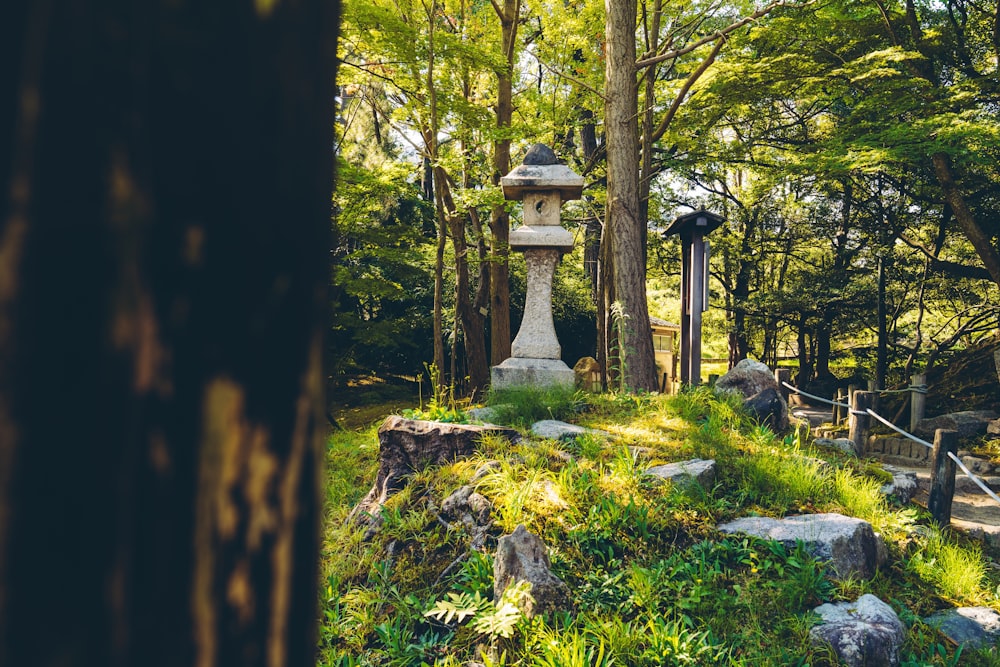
541, 172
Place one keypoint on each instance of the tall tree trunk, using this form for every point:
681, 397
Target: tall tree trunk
162, 309
430, 137
592, 228
646, 172
821, 357
500, 338
805, 366
470, 321
739, 348
882, 343
623, 209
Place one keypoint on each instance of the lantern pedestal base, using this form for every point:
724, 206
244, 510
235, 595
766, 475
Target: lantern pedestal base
520, 371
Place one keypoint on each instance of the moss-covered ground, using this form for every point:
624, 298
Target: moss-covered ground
652, 580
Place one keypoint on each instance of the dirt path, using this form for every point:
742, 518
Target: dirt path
969, 511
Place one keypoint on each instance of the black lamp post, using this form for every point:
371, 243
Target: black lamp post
693, 227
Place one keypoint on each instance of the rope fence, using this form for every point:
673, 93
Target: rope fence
816, 398
922, 389
918, 388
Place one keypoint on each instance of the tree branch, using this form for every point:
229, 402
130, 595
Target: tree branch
763, 11
682, 93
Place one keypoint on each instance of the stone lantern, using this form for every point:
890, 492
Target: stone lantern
543, 185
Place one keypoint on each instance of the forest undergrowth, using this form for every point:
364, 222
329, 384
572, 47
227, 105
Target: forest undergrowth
652, 581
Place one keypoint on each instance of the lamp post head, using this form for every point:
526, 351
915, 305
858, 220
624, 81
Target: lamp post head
696, 223
541, 172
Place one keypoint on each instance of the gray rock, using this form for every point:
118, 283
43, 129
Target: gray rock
584, 370
975, 627
410, 445
968, 423
845, 445
483, 414
965, 485
685, 472
522, 556
978, 465
850, 545
554, 429
903, 485
468, 507
480, 507
993, 428
769, 408
865, 633
484, 470
748, 377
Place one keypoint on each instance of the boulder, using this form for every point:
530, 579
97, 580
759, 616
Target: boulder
978, 465
993, 428
968, 423
522, 556
554, 429
903, 485
864, 633
769, 408
975, 627
845, 445
583, 371
686, 472
409, 445
850, 545
748, 378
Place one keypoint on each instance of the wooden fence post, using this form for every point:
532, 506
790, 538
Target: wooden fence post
943, 476
839, 411
859, 420
783, 375
917, 400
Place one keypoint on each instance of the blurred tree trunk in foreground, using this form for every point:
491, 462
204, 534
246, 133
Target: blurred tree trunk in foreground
164, 236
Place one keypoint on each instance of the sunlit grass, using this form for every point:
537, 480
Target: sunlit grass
861, 497
957, 571
653, 580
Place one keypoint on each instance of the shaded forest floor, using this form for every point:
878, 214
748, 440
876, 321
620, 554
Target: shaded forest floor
361, 401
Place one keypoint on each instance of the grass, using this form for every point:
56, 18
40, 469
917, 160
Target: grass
651, 579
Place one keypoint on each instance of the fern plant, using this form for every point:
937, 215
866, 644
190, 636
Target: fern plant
487, 619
